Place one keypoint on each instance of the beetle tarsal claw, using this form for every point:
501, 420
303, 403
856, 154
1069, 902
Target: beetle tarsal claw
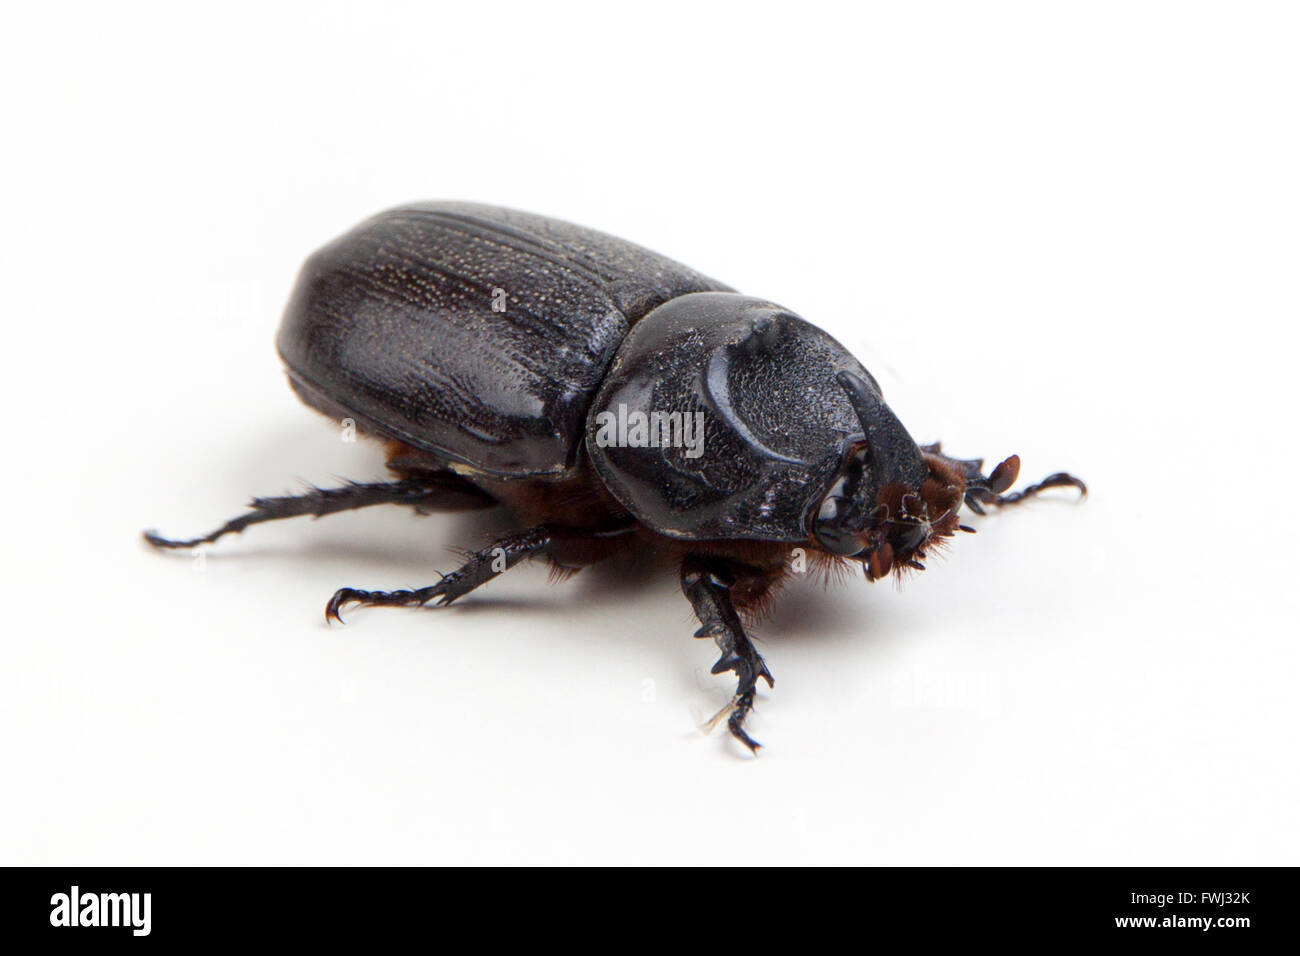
733, 713
341, 599
345, 596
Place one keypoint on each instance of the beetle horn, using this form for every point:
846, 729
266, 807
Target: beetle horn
866, 405
892, 454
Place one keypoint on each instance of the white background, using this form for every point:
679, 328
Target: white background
1067, 232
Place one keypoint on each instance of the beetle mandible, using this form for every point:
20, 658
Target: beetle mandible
613, 400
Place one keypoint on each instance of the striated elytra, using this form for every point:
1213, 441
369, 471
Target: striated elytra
614, 401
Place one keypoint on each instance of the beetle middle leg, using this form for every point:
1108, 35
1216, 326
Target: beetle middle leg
481, 567
429, 492
708, 584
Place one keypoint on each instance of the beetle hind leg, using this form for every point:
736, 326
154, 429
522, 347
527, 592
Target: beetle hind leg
431, 492
481, 567
708, 584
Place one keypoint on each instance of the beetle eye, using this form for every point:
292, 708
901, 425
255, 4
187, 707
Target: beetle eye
830, 531
838, 518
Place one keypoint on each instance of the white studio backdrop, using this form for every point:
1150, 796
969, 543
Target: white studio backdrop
1067, 232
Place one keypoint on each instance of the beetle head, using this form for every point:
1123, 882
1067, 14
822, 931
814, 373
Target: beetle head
888, 502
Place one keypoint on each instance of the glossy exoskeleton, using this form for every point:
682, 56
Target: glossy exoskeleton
613, 400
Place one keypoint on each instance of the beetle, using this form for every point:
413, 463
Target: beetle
614, 401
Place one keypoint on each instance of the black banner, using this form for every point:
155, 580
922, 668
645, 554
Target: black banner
1229, 906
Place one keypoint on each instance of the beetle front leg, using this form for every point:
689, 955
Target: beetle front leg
1061, 479
982, 489
482, 566
708, 584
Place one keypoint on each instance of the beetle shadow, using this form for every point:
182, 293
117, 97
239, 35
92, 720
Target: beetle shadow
812, 611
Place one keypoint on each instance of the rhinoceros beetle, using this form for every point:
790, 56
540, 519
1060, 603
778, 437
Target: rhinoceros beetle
614, 400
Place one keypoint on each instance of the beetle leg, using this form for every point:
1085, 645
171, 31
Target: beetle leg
982, 489
707, 584
434, 492
982, 496
481, 567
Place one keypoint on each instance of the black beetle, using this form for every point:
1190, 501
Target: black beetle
614, 400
